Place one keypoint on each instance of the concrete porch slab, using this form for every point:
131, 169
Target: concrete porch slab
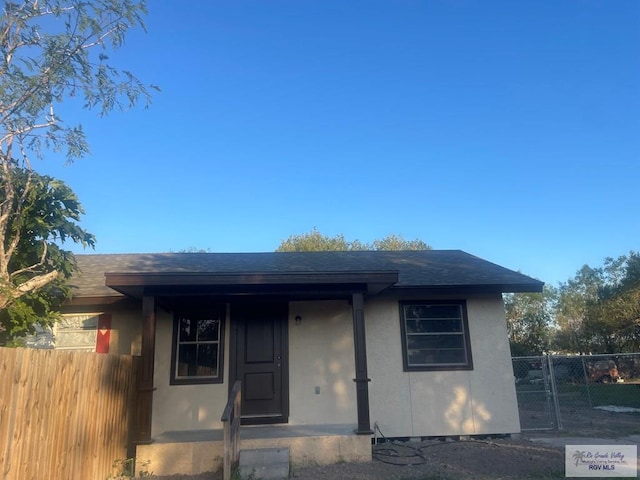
264, 464
198, 451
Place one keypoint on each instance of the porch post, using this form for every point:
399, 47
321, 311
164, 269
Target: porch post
145, 386
362, 378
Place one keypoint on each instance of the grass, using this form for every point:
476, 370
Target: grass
620, 394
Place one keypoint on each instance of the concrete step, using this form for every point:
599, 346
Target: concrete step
264, 464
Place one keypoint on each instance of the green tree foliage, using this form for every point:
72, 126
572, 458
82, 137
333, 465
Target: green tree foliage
396, 242
39, 267
574, 297
599, 309
315, 241
56, 49
50, 51
530, 321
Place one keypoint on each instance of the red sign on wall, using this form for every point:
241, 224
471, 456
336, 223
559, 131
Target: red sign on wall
104, 333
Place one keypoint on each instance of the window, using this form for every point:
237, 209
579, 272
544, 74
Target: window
435, 336
71, 332
76, 332
198, 341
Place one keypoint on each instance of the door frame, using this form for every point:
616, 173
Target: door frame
284, 368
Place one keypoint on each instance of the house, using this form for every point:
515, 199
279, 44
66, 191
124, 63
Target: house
413, 343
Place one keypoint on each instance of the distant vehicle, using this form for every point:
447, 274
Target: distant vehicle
604, 371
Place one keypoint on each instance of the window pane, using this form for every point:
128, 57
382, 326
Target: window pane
436, 326
453, 325
198, 347
435, 341
207, 360
187, 360
432, 311
208, 330
76, 340
78, 322
435, 336
413, 326
435, 357
198, 360
187, 330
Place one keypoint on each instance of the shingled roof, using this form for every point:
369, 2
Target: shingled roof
437, 270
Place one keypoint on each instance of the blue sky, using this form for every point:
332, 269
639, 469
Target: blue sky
510, 130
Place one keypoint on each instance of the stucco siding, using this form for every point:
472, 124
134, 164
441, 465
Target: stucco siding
492, 383
184, 407
389, 399
321, 363
321, 360
321, 372
463, 402
125, 337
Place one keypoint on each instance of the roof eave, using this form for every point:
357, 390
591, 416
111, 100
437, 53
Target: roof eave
474, 289
138, 284
107, 301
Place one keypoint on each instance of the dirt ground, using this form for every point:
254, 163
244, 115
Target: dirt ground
434, 459
474, 459
499, 458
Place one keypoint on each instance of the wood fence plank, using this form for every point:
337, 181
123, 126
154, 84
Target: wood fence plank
63, 393
18, 428
49, 410
102, 442
63, 413
34, 409
7, 406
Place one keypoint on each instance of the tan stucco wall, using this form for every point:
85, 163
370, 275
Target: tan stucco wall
320, 355
184, 407
321, 360
125, 337
468, 402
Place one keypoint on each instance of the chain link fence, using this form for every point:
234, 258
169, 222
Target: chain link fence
590, 393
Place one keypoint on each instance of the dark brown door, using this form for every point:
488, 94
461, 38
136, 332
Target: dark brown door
260, 357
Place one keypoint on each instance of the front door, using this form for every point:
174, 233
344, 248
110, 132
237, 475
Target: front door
260, 361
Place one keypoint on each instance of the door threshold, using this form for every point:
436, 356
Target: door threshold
262, 419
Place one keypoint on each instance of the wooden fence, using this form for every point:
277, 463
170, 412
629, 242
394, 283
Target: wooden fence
64, 414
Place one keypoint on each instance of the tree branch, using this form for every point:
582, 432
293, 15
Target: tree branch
29, 286
33, 267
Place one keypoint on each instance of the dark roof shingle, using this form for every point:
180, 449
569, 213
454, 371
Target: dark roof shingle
416, 269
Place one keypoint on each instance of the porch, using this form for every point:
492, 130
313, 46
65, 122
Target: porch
197, 451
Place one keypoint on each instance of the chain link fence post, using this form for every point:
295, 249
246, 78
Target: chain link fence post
586, 381
554, 393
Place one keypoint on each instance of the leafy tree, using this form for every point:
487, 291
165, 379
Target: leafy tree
612, 322
530, 321
194, 249
396, 242
50, 51
315, 241
574, 298
599, 309
39, 267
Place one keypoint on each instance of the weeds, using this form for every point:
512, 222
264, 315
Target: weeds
125, 469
